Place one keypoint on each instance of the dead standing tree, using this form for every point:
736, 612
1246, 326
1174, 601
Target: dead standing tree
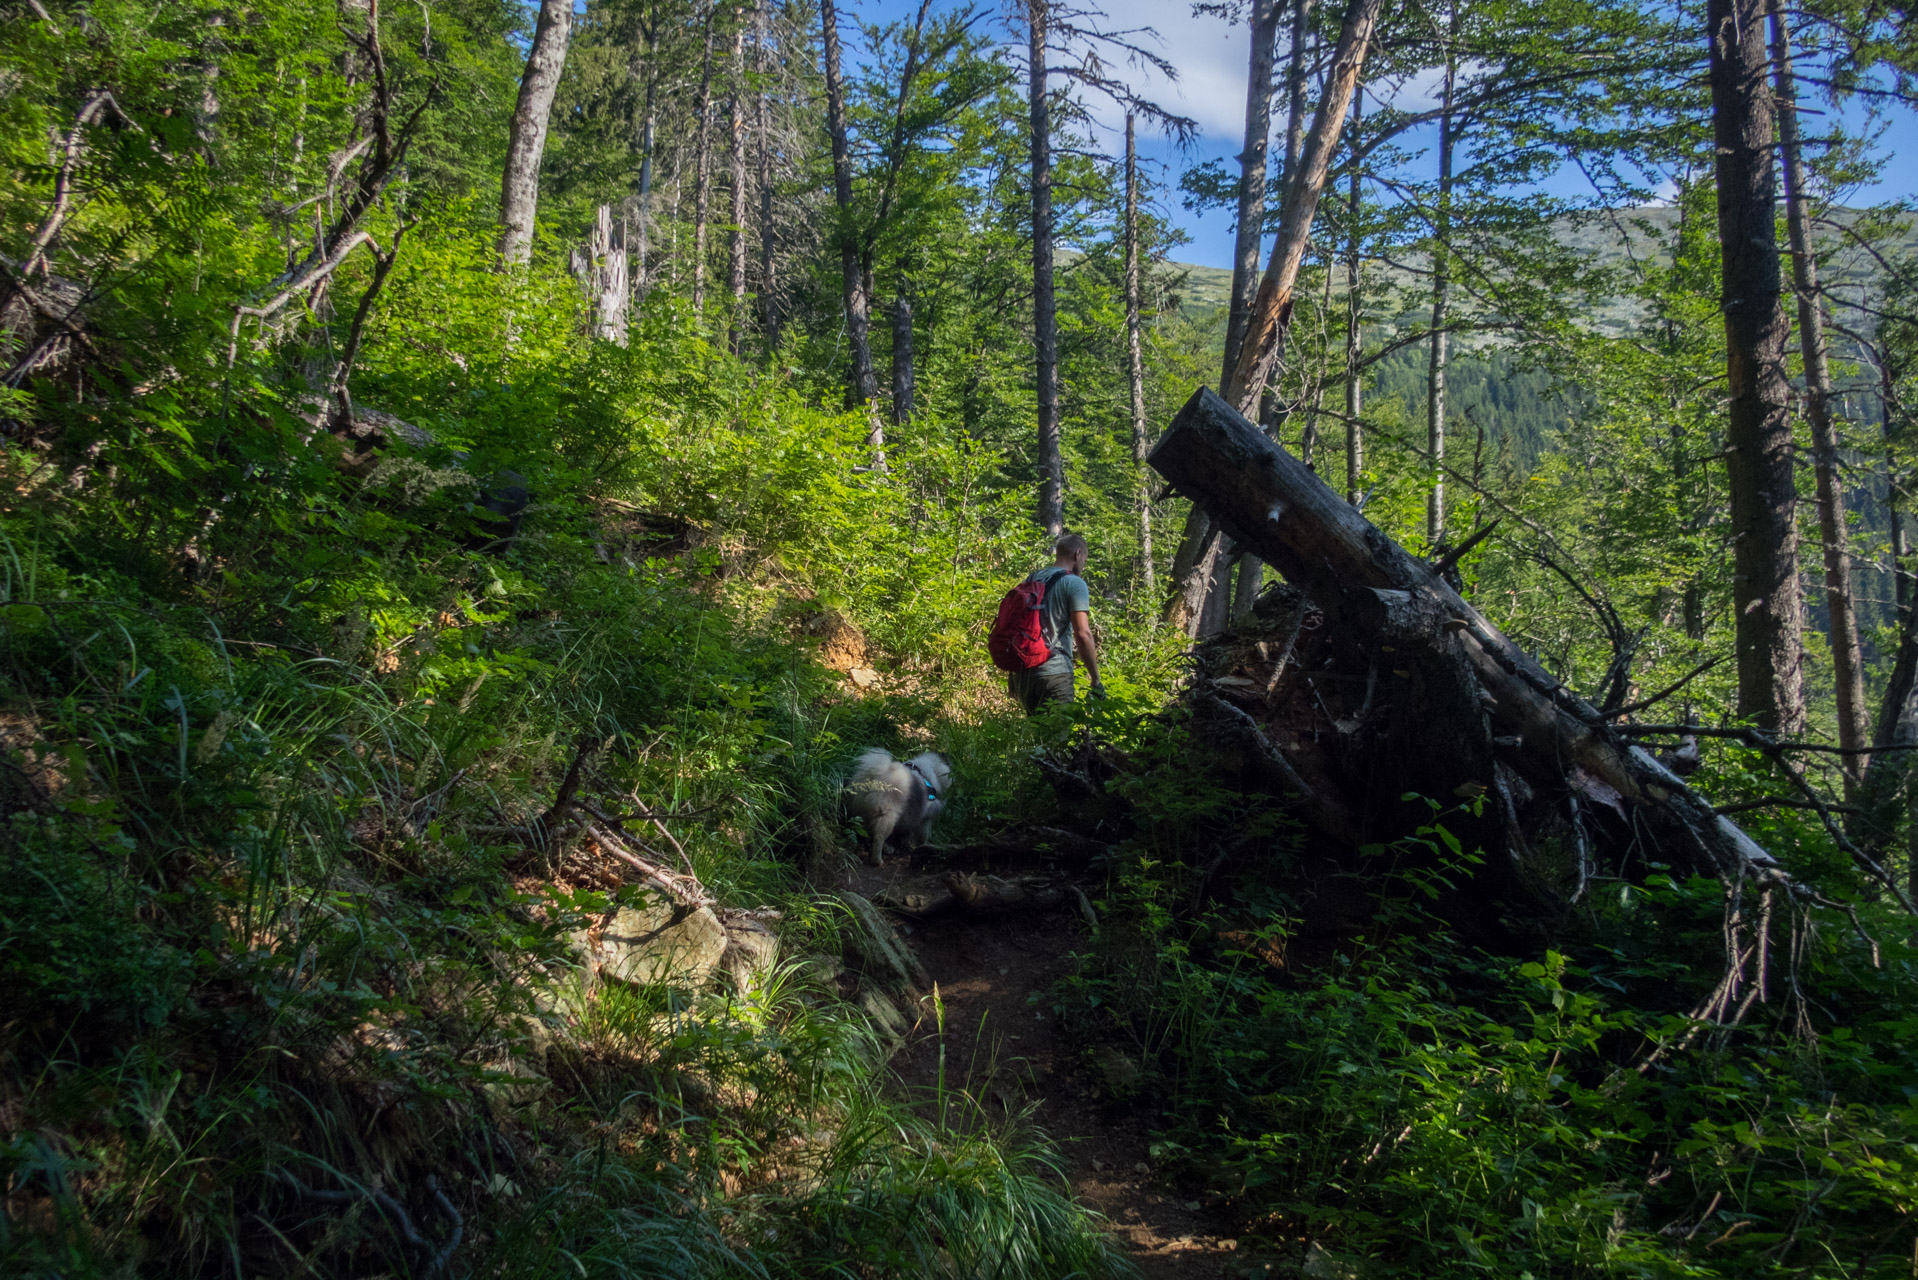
1271, 314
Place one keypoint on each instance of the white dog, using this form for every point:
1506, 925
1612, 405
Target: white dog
894, 795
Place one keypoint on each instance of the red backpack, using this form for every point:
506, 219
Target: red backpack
1017, 641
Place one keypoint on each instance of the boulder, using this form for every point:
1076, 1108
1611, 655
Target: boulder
660, 942
752, 947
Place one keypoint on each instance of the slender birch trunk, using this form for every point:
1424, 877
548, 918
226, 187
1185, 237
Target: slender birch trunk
1846, 662
1251, 233
865, 384
736, 235
703, 165
526, 143
648, 142
1354, 318
1135, 358
1045, 318
1435, 390
762, 126
1272, 310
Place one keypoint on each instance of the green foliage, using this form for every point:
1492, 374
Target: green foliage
1414, 1108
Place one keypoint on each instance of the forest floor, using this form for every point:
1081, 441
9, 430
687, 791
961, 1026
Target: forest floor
1004, 1045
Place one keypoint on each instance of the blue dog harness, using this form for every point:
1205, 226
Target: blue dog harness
932, 793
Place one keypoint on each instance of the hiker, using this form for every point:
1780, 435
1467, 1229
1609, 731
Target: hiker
1037, 651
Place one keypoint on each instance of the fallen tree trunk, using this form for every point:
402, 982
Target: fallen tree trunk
923, 897
1421, 693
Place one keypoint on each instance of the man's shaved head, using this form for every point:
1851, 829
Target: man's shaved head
1070, 544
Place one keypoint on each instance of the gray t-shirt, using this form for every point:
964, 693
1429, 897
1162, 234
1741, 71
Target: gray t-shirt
1066, 594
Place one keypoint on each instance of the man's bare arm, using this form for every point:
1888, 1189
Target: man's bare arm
1084, 645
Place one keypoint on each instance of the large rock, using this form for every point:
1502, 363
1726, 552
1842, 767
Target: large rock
661, 942
752, 948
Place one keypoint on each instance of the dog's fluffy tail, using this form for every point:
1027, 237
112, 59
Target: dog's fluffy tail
872, 760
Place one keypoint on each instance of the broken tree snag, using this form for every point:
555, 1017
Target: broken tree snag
1407, 686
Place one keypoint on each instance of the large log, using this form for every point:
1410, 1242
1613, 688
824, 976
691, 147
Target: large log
1373, 590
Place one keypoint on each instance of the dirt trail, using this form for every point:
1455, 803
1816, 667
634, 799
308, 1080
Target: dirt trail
1004, 1044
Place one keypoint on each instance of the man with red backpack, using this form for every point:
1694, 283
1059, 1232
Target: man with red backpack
1042, 625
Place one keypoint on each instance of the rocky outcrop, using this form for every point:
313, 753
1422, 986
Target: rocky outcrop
659, 942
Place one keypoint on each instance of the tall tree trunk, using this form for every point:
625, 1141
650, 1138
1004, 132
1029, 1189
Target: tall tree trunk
703, 164
865, 384
1135, 358
526, 143
1251, 234
736, 237
1758, 462
1354, 318
901, 358
1884, 798
648, 141
1441, 295
1272, 309
1295, 82
1252, 176
762, 126
1251, 574
1045, 318
1846, 662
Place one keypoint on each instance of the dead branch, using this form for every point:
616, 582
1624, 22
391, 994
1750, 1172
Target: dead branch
1757, 738
683, 889
1669, 690
342, 374
1449, 561
99, 104
311, 272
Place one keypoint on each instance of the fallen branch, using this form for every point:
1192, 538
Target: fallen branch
99, 103
923, 898
683, 889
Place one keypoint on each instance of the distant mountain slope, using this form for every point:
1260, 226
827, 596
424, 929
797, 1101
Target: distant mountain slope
1613, 238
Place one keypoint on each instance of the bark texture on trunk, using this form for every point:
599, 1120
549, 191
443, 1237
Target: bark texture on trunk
1431, 696
1354, 318
1135, 359
648, 133
1295, 84
526, 143
736, 235
606, 255
1758, 451
1252, 175
865, 383
703, 164
1266, 15
1045, 318
901, 360
1272, 308
762, 127
1435, 405
1846, 662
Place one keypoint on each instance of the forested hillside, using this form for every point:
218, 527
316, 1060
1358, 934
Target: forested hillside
482, 477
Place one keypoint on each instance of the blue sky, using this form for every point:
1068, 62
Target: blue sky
1210, 55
